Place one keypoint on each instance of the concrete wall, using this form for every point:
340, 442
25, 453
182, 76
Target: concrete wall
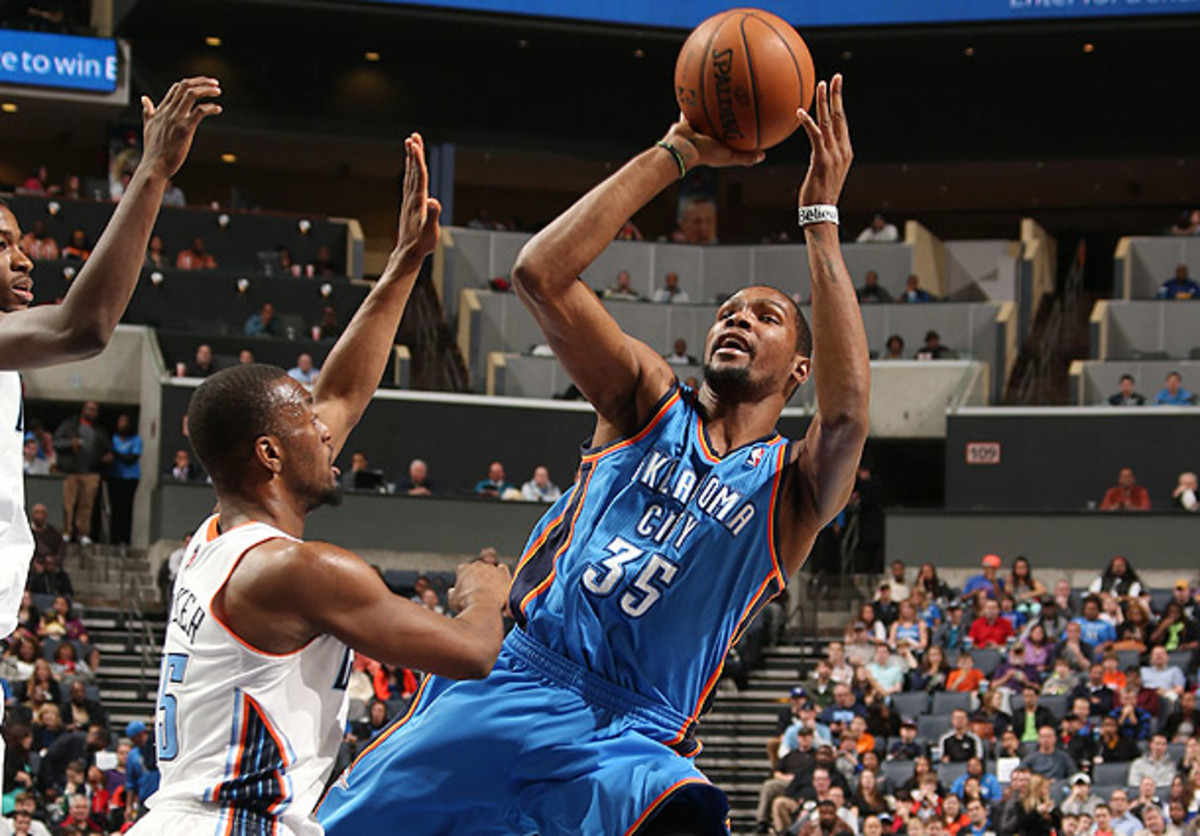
1151, 261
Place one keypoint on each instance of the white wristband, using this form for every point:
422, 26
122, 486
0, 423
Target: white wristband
821, 213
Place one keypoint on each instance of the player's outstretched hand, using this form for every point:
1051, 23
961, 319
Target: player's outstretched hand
419, 213
698, 149
831, 151
480, 583
171, 125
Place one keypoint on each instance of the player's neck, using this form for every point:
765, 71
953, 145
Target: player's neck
733, 423
269, 507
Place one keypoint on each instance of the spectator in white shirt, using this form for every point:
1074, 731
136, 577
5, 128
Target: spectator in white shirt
304, 371
679, 355
1185, 493
1160, 675
879, 232
540, 488
671, 292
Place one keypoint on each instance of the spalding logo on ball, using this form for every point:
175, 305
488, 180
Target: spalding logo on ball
740, 77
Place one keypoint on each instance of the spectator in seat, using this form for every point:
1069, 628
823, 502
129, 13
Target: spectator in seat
156, 254
907, 633
960, 744
304, 371
897, 580
907, 748
81, 815
629, 232
679, 355
1080, 654
1029, 721
1125, 395
47, 540
1124, 823
77, 249
39, 182
123, 476
845, 708
951, 634
174, 195
1179, 286
932, 348
818, 685
872, 290
1156, 764
50, 579
987, 580
1048, 760
32, 463
1173, 394
990, 630
671, 292
195, 257
1155, 823
1126, 495
39, 244
1039, 816
1113, 746
540, 488
1077, 739
886, 673
83, 449
1183, 723
1186, 494
329, 327
965, 677
1163, 677
914, 293
698, 221
979, 824
989, 787
245, 357
417, 482
183, 469
879, 231
1016, 673
1093, 629
1188, 223
361, 476
790, 714
494, 485
322, 265
141, 772
1175, 631
893, 348
1062, 681
840, 670
1132, 721
1103, 821
202, 364
79, 712
261, 324
1134, 632
622, 289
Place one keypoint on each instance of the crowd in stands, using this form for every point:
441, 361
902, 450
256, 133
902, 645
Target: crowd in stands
1128, 495
1007, 707
417, 482
1173, 393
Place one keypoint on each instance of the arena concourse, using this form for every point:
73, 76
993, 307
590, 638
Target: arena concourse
999, 634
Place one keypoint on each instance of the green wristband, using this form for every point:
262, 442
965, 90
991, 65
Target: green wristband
662, 143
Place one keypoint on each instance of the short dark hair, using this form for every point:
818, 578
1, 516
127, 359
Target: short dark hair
804, 341
1128, 377
228, 411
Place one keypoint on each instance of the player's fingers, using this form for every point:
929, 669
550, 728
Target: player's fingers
147, 108
823, 105
811, 128
841, 128
433, 211
191, 95
171, 97
202, 111
409, 171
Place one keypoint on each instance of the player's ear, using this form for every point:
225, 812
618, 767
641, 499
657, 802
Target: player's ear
268, 451
801, 369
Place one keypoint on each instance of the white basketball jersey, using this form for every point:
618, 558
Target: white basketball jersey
16, 540
248, 734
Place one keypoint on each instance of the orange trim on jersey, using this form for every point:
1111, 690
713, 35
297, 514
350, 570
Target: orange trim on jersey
229, 629
537, 544
654, 805
712, 456
384, 735
780, 464
549, 579
618, 445
214, 528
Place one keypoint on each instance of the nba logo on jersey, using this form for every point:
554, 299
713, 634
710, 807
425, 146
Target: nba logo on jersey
755, 456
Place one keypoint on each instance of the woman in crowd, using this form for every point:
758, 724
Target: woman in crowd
922, 766
876, 632
59, 623
28, 616
1119, 579
930, 676
20, 657
869, 799
929, 583
47, 726
1038, 816
953, 816
927, 609
41, 687
68, 666
1039, 647
991, 720
1183, 723
1022, 585
909, 632
1134, 631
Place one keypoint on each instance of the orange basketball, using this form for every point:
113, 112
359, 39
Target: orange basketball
740, 77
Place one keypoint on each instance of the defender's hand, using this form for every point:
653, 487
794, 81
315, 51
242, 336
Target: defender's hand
171, 126
831, 151
480, 583
698, 149
419, 213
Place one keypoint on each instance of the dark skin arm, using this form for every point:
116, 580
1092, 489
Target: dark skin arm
822, 477
284, 593
621, 376
354, 367
83, 324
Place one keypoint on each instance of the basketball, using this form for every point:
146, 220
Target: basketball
740, 77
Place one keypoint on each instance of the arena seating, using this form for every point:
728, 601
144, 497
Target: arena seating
1142, 264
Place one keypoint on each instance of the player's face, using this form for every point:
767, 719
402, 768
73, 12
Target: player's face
751, 348
16, 285
310, 472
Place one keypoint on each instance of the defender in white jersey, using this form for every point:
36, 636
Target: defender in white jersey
251, 704
83, 324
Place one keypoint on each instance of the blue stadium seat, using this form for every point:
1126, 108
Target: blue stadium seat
1110, 774
945, 702
910, 704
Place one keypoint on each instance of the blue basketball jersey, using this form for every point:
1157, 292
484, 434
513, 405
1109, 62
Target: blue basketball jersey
649, 568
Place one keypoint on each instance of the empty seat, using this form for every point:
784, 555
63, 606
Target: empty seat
987, 659
910, 704
948, 773
1127, 659
930, 727
1056, 705
1110, 774
897, 772
1175, 751
1159, 598
945, 702
1180, 659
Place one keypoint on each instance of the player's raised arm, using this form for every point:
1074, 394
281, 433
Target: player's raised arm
83, 324
354, 367
841, 366
621, 376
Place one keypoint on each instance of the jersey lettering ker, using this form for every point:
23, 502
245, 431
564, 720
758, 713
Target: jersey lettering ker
649, 568
251, 733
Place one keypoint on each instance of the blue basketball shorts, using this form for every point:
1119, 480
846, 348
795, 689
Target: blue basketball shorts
542, 746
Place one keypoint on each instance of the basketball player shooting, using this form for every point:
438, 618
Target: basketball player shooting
84, 323
252, 694
688, 514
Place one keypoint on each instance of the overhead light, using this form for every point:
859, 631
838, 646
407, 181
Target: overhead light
522, 43
371, 56
9, 107
639, 53
969, 51
212, 40
847, 55
1089, 48
228, 158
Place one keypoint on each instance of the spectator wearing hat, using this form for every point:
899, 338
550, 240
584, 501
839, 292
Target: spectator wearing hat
141, 769
791, 713
799, 762
951, 634
1079, 800
990, 630
907, 748
1181, 594
986, 580
932, 348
